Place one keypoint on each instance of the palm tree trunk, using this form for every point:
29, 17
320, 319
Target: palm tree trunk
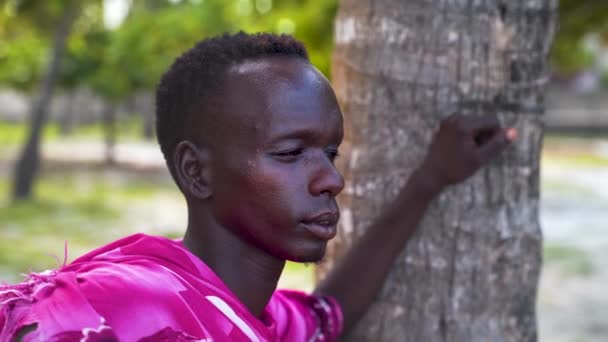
470, 273
27, 166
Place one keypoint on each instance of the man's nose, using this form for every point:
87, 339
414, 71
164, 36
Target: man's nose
326, 179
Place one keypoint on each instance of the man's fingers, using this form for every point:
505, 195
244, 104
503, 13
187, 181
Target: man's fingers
512, 134
487, 122
495, 144
482, 137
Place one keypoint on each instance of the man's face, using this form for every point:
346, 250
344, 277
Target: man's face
273, 177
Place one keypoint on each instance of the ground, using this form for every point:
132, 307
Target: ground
573, 302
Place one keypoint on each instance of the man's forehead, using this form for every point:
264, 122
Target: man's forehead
261, 94
257, 85
274, 70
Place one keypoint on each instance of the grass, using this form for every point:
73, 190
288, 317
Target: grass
579, 159
83, 209
571, 261
560, 137
13, 134
573, 150
567, 188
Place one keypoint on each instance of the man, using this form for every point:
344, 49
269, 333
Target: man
250, 131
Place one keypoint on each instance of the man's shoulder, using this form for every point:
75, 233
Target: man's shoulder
110, 286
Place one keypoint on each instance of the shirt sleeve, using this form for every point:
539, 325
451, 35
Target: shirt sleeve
303, 317
54, 304
65, 307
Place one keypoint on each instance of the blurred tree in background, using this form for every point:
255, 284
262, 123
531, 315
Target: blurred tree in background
40, 18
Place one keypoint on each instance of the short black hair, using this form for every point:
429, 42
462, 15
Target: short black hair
184, 89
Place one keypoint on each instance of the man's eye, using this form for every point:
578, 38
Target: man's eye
289, 154
332, 154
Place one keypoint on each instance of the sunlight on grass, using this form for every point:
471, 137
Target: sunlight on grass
582, 159
13, 134
571, 150
80, 209
572, 261
558, 185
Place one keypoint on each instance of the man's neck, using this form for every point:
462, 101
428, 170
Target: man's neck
251, 274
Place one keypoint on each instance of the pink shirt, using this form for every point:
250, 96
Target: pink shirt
146, 288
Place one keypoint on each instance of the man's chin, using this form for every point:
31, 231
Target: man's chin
312, 257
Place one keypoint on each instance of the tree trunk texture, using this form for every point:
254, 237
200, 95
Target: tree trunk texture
109, 129
471, 270
148, 124
66, 121
27, 166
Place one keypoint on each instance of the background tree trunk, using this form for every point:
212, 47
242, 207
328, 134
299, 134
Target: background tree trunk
29, 160
148, 124
109, 129
66, 119
470, 273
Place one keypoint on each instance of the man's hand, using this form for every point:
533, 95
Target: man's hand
462, 145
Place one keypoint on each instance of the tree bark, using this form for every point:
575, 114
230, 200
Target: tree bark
66, 121
470, 272
148, 124
109, 128
27, 166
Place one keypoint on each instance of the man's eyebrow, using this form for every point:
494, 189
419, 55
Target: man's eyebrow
302, 133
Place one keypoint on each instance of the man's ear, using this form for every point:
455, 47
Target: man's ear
193, 170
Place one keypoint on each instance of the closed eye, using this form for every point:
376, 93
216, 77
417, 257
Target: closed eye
332, 154
288, 155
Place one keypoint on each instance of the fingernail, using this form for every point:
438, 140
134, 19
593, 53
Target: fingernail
512, 134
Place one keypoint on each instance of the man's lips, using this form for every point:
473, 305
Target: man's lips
322, 225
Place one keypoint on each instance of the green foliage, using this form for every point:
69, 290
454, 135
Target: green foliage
22, 53
117, 63
40, 15
84, 53
154, 35
309, 21
578, 18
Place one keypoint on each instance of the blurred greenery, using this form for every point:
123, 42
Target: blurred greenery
577, 20
79, 208
571, 260
117, 62
578, 159
12, 134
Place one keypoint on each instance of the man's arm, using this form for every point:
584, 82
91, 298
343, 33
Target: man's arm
461, 146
